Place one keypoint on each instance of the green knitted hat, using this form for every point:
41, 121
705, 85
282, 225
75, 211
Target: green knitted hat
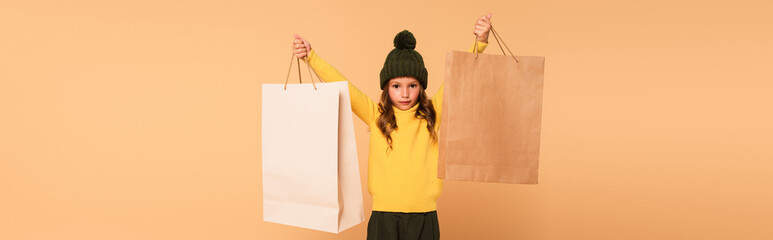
403, 61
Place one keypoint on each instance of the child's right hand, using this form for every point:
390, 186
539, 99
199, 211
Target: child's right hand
301, 47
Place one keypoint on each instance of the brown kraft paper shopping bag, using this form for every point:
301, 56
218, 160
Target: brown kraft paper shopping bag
491, 117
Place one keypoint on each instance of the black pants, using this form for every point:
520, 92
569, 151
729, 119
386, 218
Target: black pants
403, 226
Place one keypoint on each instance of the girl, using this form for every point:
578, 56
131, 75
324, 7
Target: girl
403, 154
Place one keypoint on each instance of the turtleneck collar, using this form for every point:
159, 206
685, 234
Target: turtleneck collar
412, 109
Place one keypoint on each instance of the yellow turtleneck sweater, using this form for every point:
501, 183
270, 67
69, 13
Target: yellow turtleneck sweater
405, 178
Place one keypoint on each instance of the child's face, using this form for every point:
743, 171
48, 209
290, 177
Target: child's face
404, 92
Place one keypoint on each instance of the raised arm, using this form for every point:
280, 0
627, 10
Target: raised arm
482, 28
362, 105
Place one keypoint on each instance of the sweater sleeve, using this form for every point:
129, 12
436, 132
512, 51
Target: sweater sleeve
437, 100
481, 46
362, 105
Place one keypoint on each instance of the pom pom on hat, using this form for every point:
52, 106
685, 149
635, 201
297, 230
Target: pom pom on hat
405, 40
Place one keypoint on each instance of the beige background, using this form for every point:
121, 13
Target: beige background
141, 119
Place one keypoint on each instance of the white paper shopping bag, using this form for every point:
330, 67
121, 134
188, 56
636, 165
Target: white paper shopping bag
310, 168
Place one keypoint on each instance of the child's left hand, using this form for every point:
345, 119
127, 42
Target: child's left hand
482, 28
